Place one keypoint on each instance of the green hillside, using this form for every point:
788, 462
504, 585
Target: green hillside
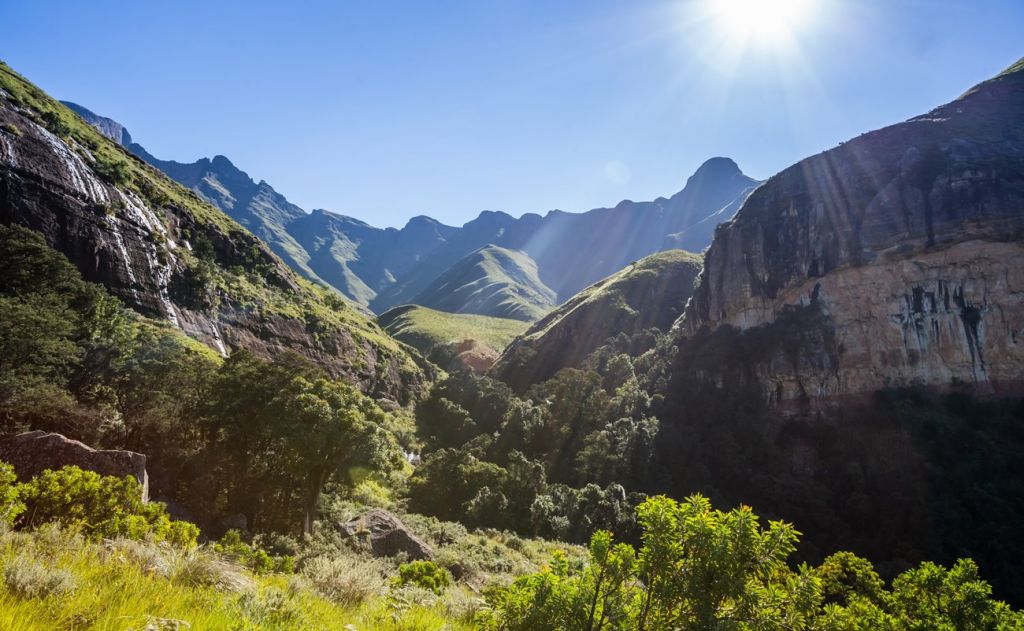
442, 336
650, 293
491, 281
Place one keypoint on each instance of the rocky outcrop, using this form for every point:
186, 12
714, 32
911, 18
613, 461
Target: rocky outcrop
650, 293
31, 453
387, 535
169, 255
905, 243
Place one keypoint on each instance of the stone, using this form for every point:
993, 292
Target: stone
387, 535
31, 453
905, 246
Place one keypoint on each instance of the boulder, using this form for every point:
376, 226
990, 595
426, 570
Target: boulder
387, 535
31, 453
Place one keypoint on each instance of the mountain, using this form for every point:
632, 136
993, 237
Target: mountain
382, 268
491, 281
651, 292
895, 259
170, 255
454, 341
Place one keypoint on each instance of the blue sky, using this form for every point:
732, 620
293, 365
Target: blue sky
386, 110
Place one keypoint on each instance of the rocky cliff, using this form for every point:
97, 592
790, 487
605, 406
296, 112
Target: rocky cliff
899, 253
170, 255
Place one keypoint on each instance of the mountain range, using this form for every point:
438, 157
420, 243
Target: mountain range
382, 268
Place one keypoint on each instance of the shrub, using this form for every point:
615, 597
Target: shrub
346, 581
425, 574
101, 506
201, 567
10, 503
11, 129
28, 578
252, 556
114, 171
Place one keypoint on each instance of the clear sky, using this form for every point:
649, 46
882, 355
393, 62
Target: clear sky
384, 110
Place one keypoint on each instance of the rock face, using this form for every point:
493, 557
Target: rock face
387, 535
139, 235
31, 453
649, 293
901, 249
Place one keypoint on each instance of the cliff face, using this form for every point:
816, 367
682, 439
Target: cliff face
903, 247
169, 255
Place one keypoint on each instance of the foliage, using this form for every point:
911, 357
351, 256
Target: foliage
425, 574
11, 504
101, 506
701, 568
251, 555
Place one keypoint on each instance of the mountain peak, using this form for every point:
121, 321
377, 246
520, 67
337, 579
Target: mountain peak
717, 167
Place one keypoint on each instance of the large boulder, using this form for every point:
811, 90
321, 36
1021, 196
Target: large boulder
387, 535
31, 453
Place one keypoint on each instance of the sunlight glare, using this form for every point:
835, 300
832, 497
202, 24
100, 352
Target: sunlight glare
768, 22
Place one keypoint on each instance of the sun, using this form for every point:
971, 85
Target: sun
766, 22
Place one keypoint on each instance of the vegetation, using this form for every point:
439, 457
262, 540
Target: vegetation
439, 336
491, 281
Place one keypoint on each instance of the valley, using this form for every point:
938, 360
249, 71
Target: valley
557, 421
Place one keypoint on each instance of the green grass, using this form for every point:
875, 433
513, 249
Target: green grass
123, 585
610, 290
491, 281
427, 329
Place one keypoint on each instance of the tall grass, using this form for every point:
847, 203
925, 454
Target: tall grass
53, 580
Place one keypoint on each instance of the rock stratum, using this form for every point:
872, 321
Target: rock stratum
169, 254
893, 260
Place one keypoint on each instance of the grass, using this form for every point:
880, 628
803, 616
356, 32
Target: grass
427, 329
64, 582
492, 281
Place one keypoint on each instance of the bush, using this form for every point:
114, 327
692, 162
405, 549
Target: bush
346, 581
11, 129
201, 567
101, 506
252, 556
425, 574
28, 578
10, 503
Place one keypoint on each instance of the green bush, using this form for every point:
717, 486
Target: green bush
100, 506
425, 574
253, 556
10, 495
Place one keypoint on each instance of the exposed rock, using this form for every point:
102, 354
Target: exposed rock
31, 453
906, 241
141, 250
473, 356
387, 535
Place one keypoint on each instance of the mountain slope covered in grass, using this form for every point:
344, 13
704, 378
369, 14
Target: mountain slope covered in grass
650, 293
491, 281
451, 340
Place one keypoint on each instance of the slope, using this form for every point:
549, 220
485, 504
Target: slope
649, 293
454, 341
170, 255
491, 281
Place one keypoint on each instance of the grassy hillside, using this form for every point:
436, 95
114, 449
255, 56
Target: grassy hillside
649, 293
442, 336
491, 281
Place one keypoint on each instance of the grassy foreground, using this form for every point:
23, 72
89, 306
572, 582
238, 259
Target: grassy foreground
55, 579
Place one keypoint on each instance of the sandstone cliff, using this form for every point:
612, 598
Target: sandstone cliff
900, 252
170, 255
